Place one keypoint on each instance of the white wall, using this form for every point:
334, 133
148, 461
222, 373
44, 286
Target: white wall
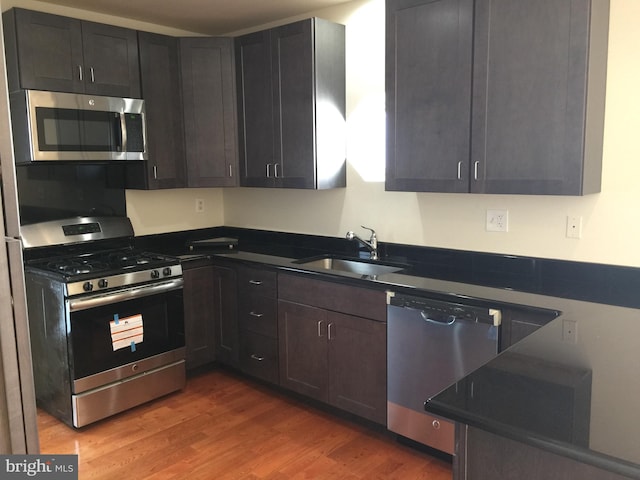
537, 224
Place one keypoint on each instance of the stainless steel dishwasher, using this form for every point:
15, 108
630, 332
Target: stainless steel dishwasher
432, 344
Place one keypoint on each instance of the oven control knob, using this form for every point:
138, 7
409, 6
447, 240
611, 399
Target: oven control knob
103, 283
155, 274
167, 271
87, 287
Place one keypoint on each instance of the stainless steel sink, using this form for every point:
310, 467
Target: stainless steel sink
351, 265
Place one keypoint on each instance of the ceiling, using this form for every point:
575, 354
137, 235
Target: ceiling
210, 17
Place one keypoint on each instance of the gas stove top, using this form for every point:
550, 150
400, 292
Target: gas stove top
106, 270
98, 264
91, 254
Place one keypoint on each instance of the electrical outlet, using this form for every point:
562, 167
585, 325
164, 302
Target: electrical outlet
574, 226
199, 205
570, 331
497, 221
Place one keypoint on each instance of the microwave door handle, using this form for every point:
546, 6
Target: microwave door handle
121, 132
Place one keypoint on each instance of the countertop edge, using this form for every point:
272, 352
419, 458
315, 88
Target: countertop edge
605, 462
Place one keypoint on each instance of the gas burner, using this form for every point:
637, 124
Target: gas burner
130, 259
75, 267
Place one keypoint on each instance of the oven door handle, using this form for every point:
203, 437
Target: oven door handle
100, 300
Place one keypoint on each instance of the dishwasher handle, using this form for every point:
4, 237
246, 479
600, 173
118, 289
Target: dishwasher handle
495, 318
450, 320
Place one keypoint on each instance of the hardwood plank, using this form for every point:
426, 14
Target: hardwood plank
225, 426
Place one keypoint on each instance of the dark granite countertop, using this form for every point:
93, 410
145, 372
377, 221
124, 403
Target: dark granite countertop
577, 399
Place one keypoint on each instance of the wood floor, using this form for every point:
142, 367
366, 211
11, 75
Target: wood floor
224, 426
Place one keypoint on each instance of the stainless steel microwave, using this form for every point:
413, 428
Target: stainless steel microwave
55, 126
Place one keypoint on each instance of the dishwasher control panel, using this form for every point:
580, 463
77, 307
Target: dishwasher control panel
447, 312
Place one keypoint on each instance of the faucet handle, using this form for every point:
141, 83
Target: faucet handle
373, 232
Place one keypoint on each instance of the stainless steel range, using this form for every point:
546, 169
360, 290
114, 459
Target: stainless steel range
106, 320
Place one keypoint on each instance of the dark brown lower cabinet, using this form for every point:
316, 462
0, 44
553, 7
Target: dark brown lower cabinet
198, 322
490, 457
357, 365
334, 357
225, 314
302, 339
258, 322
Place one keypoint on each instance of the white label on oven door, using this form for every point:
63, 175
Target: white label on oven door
126, 332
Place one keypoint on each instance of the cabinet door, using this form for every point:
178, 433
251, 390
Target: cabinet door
225, 298
358, 366
209, 111
159, 72
199, 308
110, 60
255, 109
302, 341
530, 81
44, 51
489, 456
428, 91
294, 100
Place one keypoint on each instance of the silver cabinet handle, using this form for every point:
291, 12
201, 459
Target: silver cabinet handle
255, 314
255, 282
329, 331
80, 75
230, 171
275, 170
460, 170
268, 171
92, 74
257, 357
475, 170
319, 328
155, 172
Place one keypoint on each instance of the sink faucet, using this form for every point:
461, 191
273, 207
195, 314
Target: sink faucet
372, 244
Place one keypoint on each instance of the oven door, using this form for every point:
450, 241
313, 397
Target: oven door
124, 333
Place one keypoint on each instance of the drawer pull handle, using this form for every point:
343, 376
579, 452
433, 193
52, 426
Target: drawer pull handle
329, 331
255, 282
255, 314
436, 424
257, 357
320, 328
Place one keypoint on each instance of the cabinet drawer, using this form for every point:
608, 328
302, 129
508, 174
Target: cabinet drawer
254, 281
259, 315
259, 356
362, 302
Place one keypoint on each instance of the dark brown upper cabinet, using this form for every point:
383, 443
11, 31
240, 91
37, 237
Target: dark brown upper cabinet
160, 77
496, 96
210, 121
51, 52
291, 106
